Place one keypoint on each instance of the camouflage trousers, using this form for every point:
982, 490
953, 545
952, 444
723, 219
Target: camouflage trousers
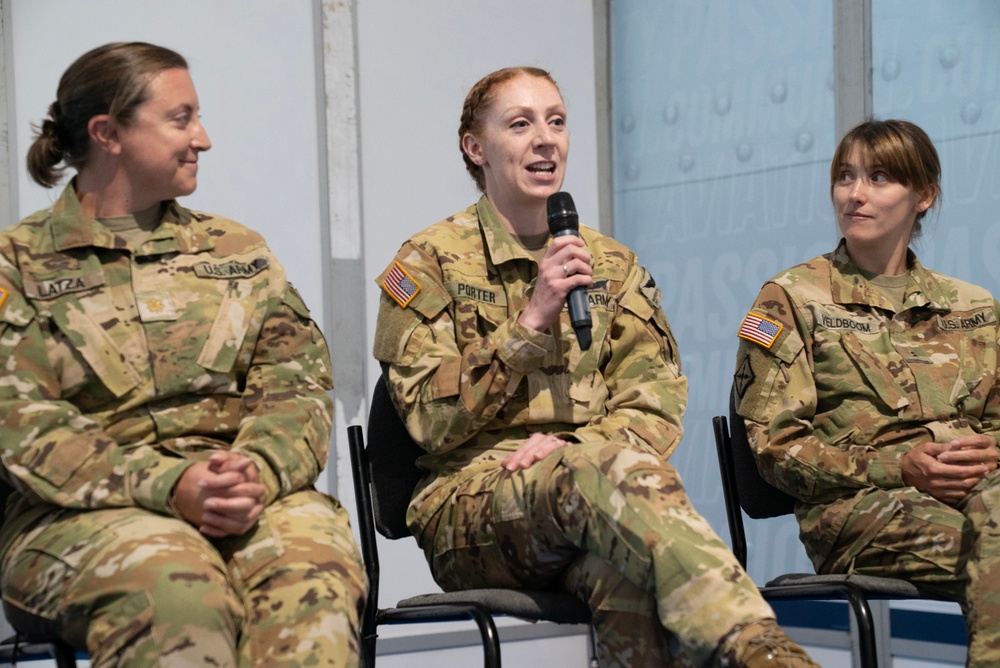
142, 589
613, 526
953, 552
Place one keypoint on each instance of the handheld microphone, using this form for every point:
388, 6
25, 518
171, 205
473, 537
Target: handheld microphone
563, 219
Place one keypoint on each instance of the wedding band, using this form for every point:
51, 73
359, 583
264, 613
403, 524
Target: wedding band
565, 271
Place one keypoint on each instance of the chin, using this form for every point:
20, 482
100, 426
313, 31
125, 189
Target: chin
184, 191
550, 189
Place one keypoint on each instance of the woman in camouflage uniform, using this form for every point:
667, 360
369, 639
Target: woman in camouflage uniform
869, 387
164, 401
548, 463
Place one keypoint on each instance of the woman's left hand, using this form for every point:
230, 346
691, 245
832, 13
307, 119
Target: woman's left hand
537, 447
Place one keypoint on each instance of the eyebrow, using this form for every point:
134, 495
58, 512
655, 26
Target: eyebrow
865, 165
189, 108
558, 108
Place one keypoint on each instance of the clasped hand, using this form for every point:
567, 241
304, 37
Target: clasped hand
949, 471
222, 496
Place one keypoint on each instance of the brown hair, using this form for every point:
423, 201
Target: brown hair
111, 79
478, 102
902, 149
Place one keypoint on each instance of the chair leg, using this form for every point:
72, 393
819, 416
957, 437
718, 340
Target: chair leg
592, 639
452, 612
488, 632
368, 650
867, 651
63, 655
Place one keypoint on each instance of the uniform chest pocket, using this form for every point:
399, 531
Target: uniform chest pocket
231, 326
94, 343
885, 372
977, 370
475, 320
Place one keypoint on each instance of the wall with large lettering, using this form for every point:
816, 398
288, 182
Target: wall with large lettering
723, 127
723, 130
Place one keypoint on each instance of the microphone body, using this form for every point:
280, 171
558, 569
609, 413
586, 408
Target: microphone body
563, 219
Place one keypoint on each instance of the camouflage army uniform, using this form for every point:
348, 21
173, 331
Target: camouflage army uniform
836, 388
606, 517
121, 367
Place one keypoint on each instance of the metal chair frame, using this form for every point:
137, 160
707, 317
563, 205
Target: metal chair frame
385, 475
745, 490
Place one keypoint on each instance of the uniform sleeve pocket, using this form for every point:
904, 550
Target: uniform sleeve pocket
56, 464
762, 374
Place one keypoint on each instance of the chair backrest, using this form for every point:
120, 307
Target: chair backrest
757, 497
5, 492
744, 489
392, 464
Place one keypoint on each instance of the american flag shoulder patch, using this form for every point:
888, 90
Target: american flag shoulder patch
759, 329
400, 285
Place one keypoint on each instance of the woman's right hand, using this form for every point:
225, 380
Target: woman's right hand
566, 265
537, 447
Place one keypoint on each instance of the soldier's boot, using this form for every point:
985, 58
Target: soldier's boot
762, 644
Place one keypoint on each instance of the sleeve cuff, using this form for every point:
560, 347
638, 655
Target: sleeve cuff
267, 477
521, 348
885, 470
155, 489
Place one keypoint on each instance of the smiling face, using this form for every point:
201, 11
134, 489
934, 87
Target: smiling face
875, 212
160, 144
521, 144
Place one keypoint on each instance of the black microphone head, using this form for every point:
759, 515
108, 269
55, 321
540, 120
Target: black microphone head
562, 214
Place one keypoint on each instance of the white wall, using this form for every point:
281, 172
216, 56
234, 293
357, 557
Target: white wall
254, 63
417, 61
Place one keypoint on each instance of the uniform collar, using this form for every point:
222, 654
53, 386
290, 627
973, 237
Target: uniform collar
501, 244
849, 286
179, 231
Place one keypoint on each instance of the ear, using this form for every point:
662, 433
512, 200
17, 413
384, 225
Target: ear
926, 200
473, 149
104, 134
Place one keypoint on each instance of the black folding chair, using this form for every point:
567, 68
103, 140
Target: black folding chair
385, 475
32, 634
744, 488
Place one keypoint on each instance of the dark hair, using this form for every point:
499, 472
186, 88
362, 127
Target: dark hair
902, 149
478, 102
111, 79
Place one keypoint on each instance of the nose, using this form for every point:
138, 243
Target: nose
544, 135
200, 140
859, 189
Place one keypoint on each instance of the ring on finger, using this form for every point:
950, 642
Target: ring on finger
565, 271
